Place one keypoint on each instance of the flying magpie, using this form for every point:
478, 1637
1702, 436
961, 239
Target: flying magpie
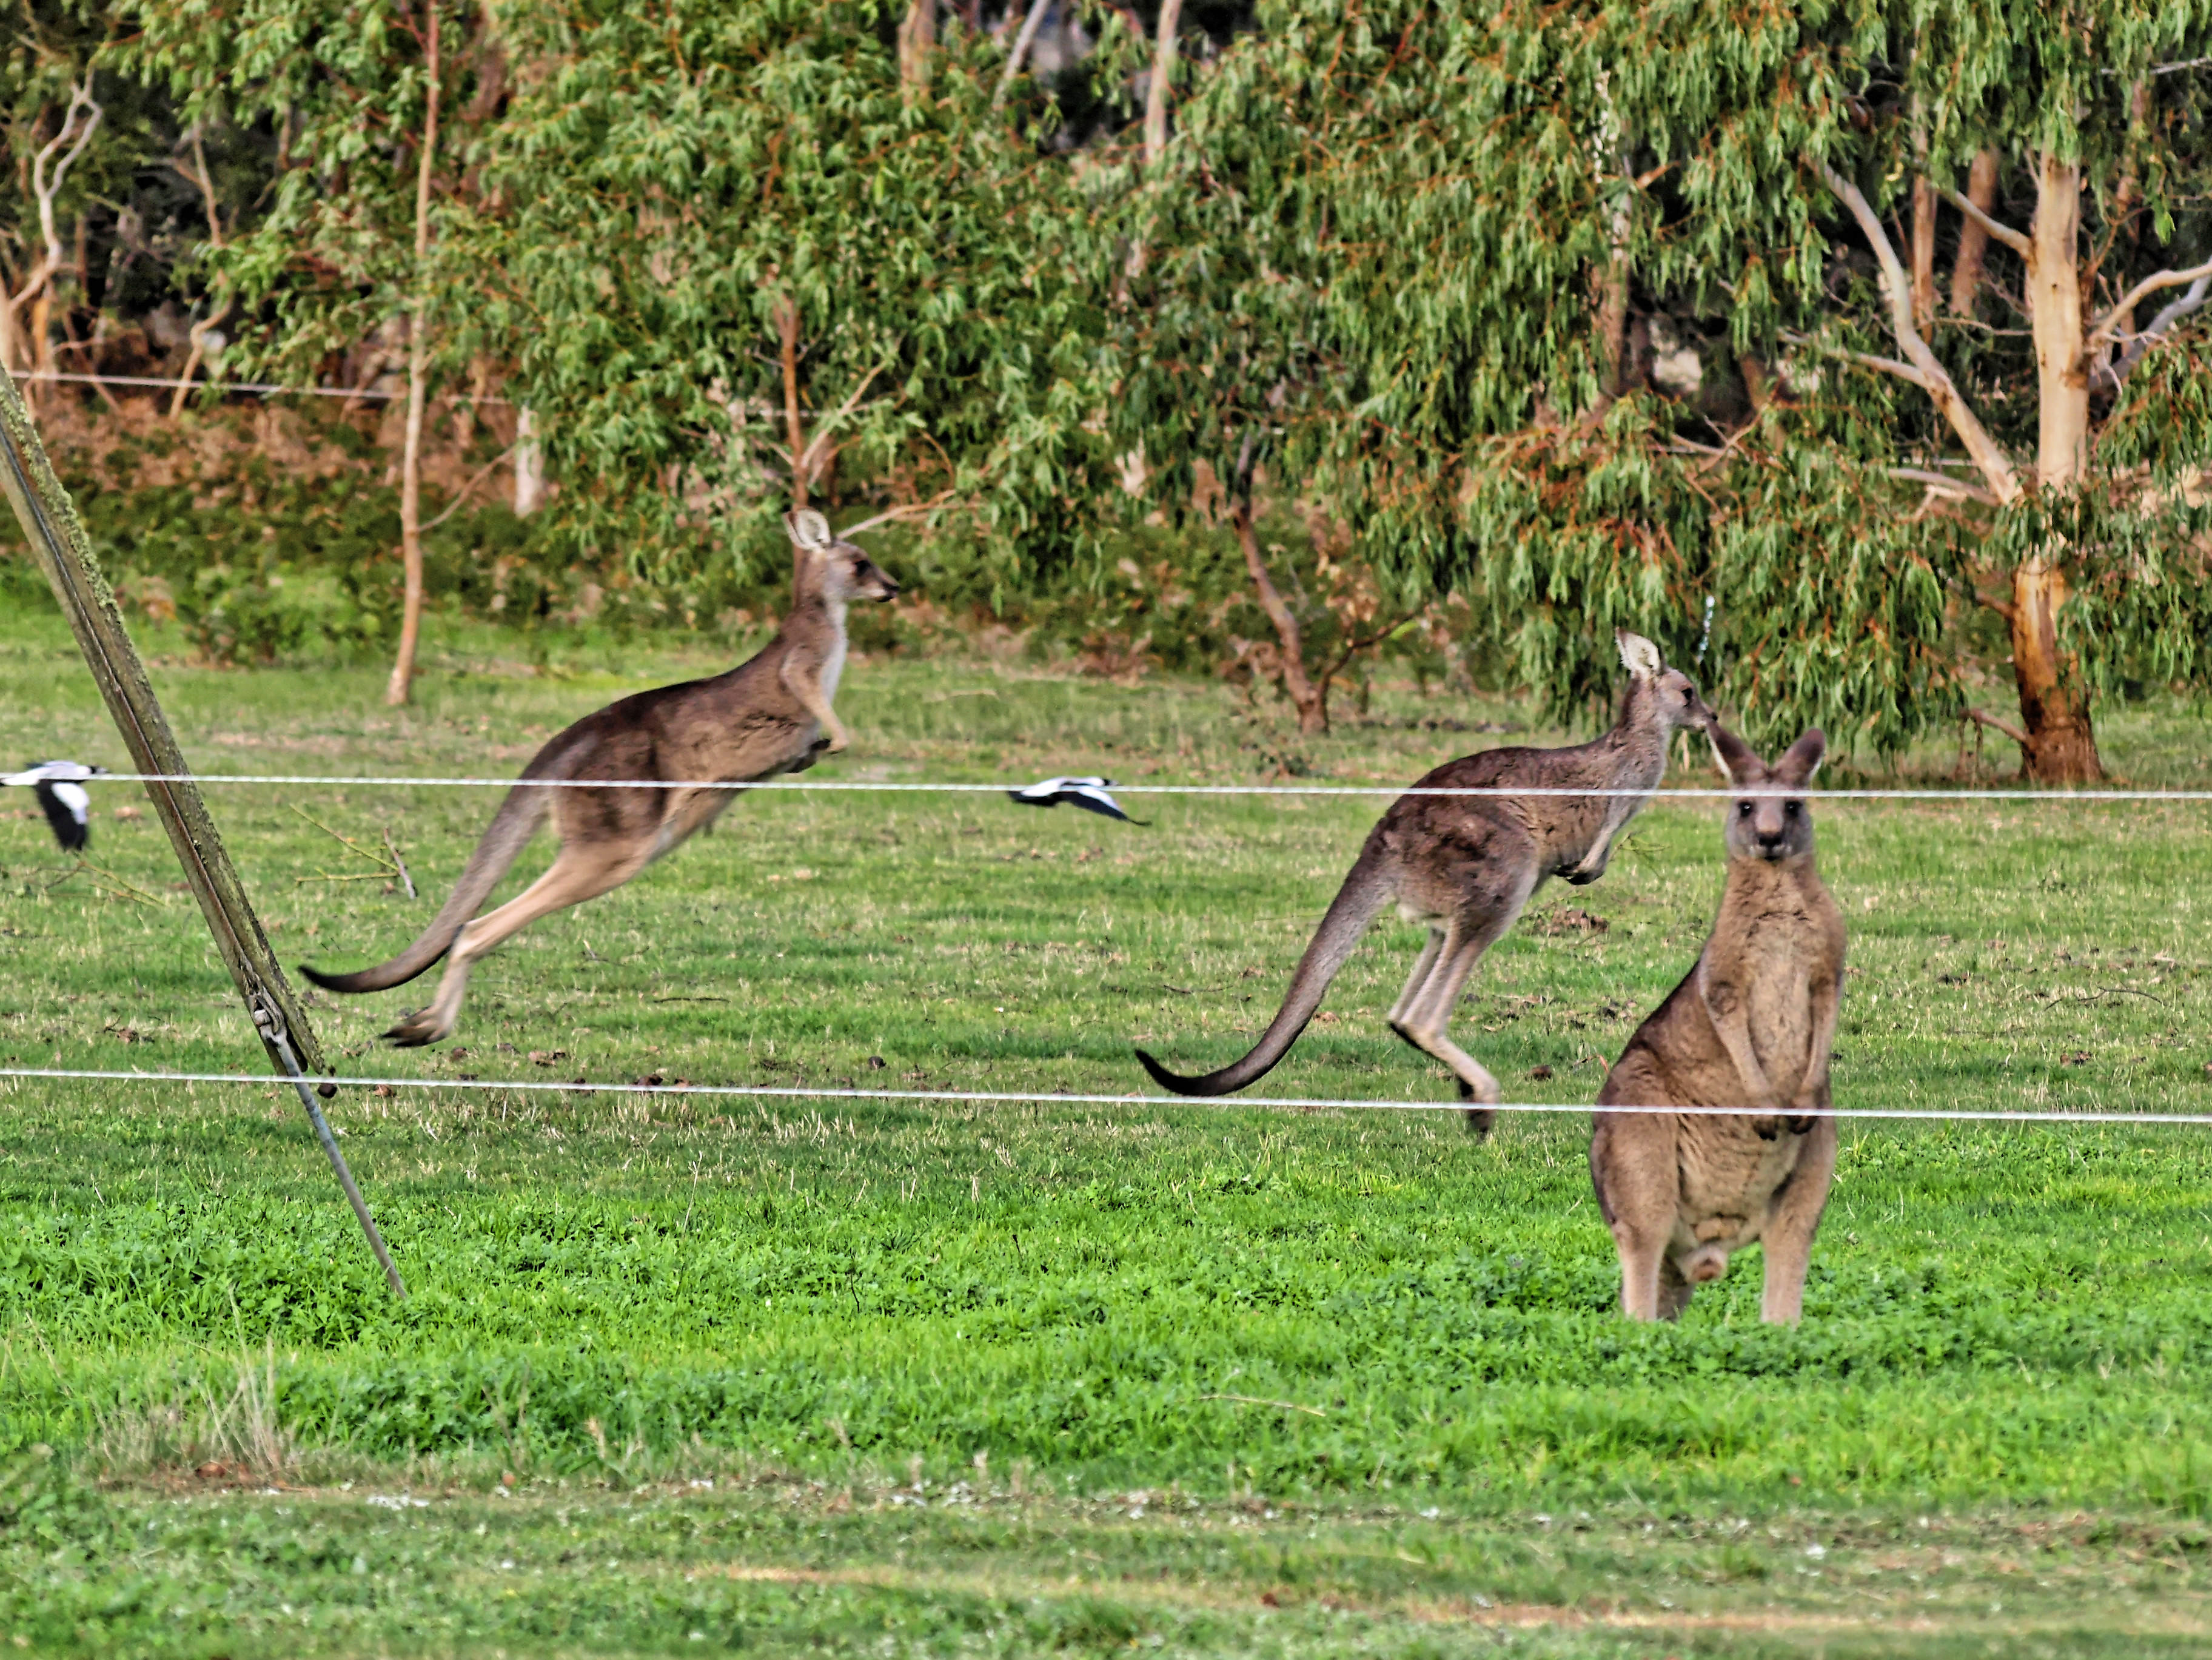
1089, 793
60, 789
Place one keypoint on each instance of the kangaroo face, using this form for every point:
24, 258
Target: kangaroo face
1668, 692
849, 574
835, 569
1679, 698
1766, 822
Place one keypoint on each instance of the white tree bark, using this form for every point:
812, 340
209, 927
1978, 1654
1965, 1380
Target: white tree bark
529, 464
402, 684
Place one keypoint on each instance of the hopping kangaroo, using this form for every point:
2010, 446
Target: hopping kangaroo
767, 715
1467, 864
1751, 1026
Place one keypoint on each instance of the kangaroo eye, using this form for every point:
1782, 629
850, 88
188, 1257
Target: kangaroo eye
1789, 809
1743, 809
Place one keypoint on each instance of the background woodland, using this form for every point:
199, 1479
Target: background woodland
1853, 351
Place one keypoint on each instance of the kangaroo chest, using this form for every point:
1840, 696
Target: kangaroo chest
1773, 967
833, 666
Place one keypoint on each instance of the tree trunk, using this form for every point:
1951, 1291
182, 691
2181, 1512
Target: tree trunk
786, 330
2062, 746
1924, 254
1923, 231
917, 34
529, 464
402, 684
1973, 241
1310, 701
2054, 707
1156, 88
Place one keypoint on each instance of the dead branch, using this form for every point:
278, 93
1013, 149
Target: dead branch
911, 510
1928, 373
1995, 725
68, 144
200, 177
2105, 327
2107, 377
2016, 241
462, 495
808, 463
393, 848
1022, 43
1944, 483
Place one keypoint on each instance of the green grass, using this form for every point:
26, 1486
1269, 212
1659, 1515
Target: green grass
1349, 1319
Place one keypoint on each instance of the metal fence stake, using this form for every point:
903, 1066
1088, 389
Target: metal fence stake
65, 555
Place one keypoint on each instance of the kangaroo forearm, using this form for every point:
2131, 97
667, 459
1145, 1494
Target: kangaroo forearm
1826, 1000
807, 689
1735, 1038
1731, 1017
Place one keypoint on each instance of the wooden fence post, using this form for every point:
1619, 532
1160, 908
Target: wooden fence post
58, 543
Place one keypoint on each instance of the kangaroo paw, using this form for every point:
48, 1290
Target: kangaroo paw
417, 1030
1480, 1120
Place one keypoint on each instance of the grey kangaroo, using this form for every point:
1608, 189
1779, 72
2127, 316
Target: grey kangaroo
1752, 1026
770, 714
1467, 865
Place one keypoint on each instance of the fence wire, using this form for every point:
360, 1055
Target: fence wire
1961, 796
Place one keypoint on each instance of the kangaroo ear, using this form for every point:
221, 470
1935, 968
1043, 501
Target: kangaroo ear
808, 529
1638, 655
1803, 759
1743, 768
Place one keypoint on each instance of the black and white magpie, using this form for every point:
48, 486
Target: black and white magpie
60, 789
1089, 793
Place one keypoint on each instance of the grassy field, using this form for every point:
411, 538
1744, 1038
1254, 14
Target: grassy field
1031, 1379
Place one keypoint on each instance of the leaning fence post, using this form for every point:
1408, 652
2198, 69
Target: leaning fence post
64, 552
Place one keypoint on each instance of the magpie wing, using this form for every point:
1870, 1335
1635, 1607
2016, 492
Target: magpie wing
68, 810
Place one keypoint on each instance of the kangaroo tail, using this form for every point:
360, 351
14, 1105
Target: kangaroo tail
504, 839
1364, 892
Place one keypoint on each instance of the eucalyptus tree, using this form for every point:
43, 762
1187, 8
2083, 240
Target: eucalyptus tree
2046, 437
740, 263
350, 246
1592, 312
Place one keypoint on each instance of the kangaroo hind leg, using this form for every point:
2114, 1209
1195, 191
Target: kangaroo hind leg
577, 873
1424, 1012
1419, 976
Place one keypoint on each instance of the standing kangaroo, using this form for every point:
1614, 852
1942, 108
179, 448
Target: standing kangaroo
1752, 1026
764, 717
1467, 864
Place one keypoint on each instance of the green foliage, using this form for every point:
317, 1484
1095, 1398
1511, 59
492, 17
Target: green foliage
677, 175
330, 260
1378, 251
44, 1507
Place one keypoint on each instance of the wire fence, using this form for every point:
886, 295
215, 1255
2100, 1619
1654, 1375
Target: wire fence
1067, 1097
1301, 1103
1962, 795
